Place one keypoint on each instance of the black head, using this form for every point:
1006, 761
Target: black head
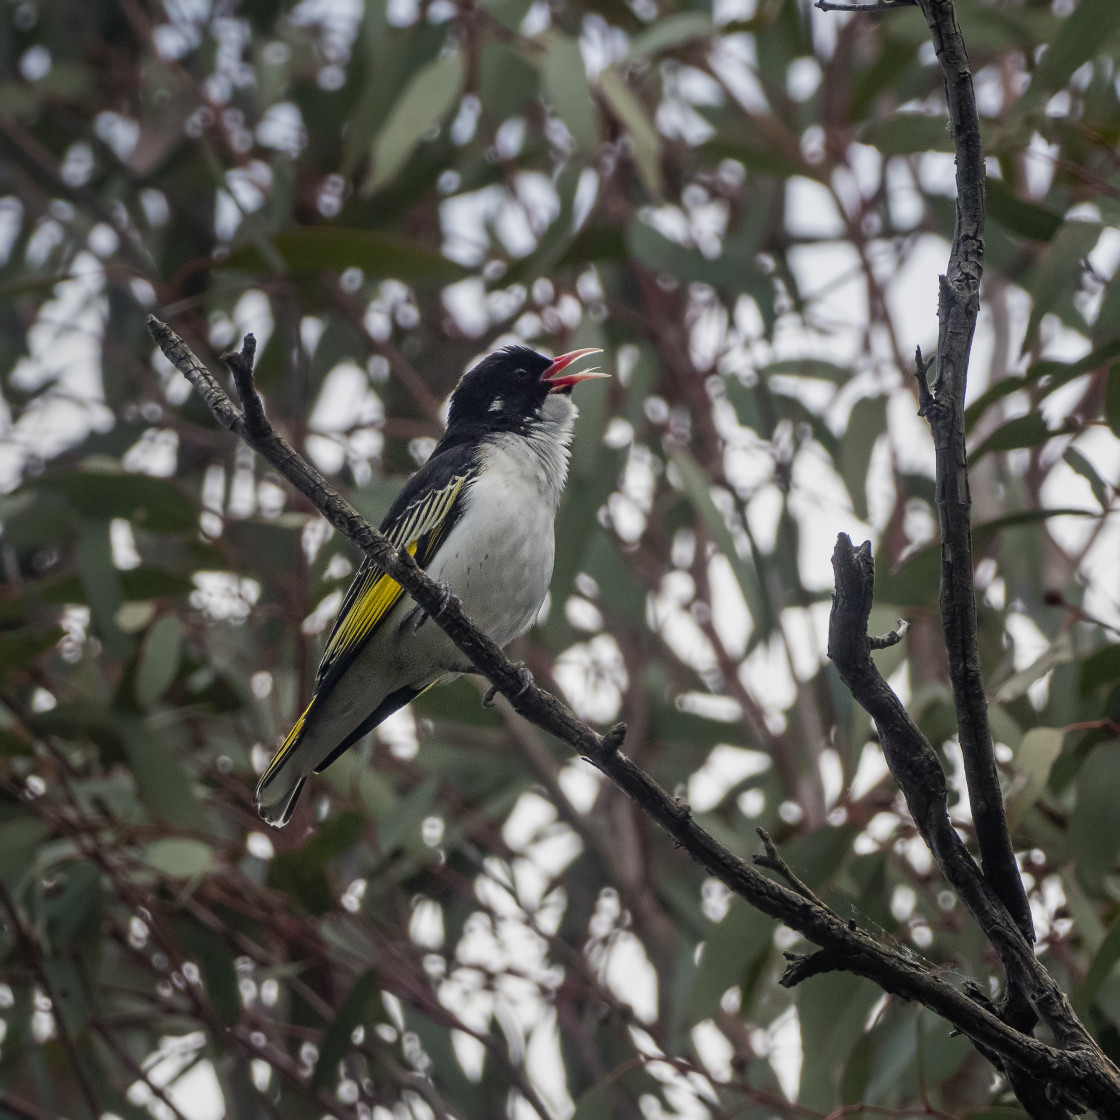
507, 390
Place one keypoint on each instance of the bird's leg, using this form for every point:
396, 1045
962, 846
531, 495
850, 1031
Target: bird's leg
523, 675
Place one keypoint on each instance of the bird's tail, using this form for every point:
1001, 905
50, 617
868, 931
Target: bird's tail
283, 778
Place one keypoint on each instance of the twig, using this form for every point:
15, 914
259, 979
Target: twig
774, 862
892, 638
891, 969
134, 1068
35, 960
866, 9
25, 1110
240, 364
801, 968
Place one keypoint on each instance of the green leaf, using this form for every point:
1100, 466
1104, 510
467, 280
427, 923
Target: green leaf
509, 82
907, 133
427, 99
361, 1006
832, 1013
165, 785
734, 950
1058, 652
866, 423
403, 824
1103, 963
565, 84
1083, 467
179, 857
1112, 400
1102, 667
102, 492
1082, 34
20, 840
697, 488
215, 962
313, 249
1055, 374
19, 648
76, 908
644, 141
101, 584
815, 368
733, 273
1023, 431
751, 154
302, 873
670, 32
913, 579
1033, 760
1059, 271
597, 1103
1094, 838
1016, 215
159, 660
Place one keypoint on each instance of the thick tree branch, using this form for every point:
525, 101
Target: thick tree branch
914, 764
943, 406
1078, 1068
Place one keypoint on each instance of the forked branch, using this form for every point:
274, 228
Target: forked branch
845, 945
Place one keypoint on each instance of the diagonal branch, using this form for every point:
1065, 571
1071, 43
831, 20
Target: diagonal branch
1078, 1068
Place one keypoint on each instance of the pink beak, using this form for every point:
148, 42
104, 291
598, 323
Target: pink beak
553, 372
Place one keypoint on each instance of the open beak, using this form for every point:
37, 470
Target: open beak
556, 378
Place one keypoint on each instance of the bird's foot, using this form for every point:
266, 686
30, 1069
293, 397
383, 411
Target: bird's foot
523, 675
446, 595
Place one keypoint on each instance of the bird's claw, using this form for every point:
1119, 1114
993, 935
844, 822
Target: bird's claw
523, 675
446, 595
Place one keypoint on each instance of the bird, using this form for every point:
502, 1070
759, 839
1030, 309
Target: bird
479, 516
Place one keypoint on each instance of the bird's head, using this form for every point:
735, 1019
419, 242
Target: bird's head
508, 390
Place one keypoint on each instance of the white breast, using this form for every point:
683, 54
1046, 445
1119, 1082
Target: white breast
498, 557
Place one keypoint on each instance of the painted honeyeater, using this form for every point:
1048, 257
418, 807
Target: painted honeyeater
479, 516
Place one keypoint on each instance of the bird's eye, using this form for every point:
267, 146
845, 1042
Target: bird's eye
521, 376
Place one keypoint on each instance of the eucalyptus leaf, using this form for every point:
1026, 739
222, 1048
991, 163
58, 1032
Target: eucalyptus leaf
180, 858
429, 96
565, 85
644, 140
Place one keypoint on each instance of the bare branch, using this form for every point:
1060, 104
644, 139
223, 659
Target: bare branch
942, 404
893, 970
774, 862
25, 1110
865, 9
892, 638
917, 770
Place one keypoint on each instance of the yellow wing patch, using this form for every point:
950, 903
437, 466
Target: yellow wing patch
370, 606
373, 593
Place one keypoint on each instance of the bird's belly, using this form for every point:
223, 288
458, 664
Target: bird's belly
498, 559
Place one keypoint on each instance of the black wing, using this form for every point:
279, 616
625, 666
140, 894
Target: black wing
428, 505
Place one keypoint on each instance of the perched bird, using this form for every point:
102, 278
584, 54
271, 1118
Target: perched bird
479, 516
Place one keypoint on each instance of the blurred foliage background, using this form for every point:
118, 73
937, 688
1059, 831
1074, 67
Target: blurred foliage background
746, 204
